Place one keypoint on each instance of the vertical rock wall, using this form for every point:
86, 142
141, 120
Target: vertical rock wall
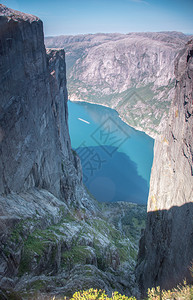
166, 248
35, 149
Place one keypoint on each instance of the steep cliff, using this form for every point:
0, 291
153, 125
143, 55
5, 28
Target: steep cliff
132, 73
54, 237
33, 120
166, 248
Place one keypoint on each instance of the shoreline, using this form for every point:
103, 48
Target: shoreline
101, 104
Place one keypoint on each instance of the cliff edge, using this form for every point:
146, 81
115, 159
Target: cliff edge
33, 108
166, 247
55, 238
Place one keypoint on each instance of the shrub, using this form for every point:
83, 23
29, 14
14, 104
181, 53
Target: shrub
184, 291
94, 294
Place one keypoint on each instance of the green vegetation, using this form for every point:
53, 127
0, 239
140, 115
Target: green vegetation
18, 231
107, 242
76, 239
91, 195
184, 291
94, 294
37, 285
143, 106
132, 220
11, 295
74, 152
76, 255
34, 244
124, 250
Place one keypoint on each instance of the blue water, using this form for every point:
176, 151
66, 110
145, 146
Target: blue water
116, 158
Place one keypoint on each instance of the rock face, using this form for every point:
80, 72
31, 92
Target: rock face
54, 237
33, 120
131, 73
166, 248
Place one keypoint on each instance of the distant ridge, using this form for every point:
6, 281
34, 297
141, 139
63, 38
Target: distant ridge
132, 73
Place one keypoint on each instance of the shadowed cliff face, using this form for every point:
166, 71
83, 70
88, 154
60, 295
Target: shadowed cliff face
166, 246
166, 254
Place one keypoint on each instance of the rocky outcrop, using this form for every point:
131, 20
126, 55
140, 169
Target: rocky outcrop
166, 248
132, 73
33, 120
54, 237
49, 248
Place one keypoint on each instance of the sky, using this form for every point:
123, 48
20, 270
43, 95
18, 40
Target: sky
66, 17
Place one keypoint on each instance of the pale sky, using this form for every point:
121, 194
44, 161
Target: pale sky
93, 16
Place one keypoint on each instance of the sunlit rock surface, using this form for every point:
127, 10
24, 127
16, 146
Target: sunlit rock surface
132, 73
166, 248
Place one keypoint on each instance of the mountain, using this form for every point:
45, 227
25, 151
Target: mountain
166, 248
132, 73
54, 237
141, 75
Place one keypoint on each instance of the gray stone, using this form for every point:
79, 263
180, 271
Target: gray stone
166, 248
132, 73
54, 237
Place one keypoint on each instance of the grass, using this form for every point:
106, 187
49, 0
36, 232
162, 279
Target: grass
40, 247
76, 255
32, 245
17, 231
35, 247
181, 292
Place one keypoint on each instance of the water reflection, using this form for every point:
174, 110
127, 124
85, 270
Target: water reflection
128, 153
